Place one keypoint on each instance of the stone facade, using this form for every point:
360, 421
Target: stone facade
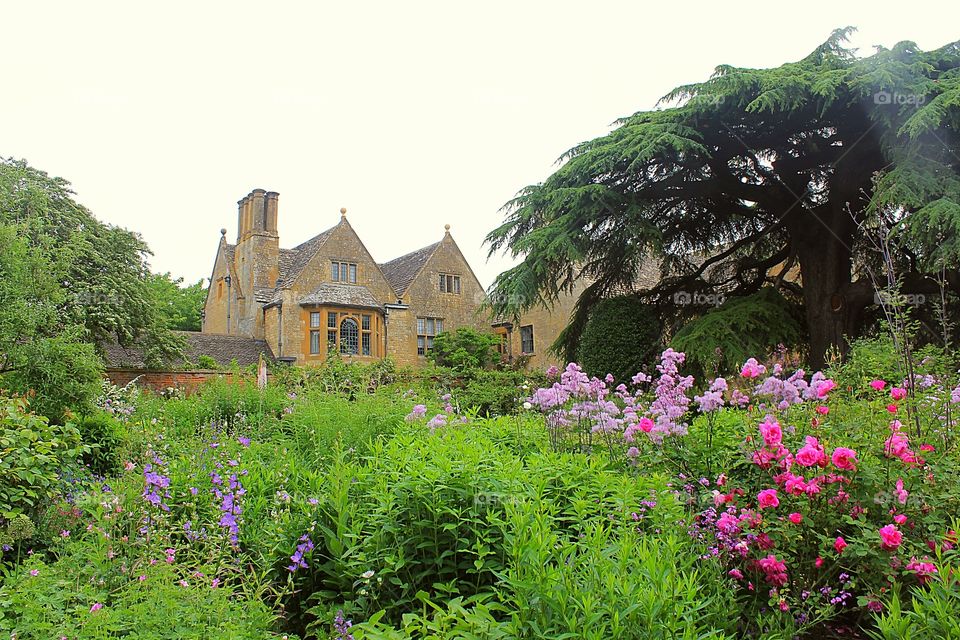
329, 294
540, 327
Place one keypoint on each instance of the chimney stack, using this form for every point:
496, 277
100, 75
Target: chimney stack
258, 210
241, 217
271, 212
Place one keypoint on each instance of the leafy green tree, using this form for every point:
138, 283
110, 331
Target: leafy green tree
752, 170
464, 349
180, 305
38, 351
622, 335
69, 283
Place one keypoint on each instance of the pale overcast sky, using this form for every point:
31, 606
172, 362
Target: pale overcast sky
410, 114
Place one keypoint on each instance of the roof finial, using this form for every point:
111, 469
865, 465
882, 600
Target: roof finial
223, 232
343, 212
446, 228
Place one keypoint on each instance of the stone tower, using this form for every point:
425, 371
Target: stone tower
257, 256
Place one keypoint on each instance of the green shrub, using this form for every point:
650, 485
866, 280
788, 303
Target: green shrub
620, 338
723, 338
611, 582
206, 362
430, 512
233, 406
485, 392
33, 455
334, 375
103, 436
577, 561
464, 349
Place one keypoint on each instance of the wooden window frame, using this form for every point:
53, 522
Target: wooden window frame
340, 267
533, 345
450, 283
426, 334
369, 325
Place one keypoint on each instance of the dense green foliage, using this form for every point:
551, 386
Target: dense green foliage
38, 351
623, 336
34, 455
103, 436
179, 305
67, 283
61, 600
380, 496
751, 170
464, 349
723, 338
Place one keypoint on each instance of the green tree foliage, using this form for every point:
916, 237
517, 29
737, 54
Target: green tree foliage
180, 305
464, 349
752, 169
67, 283
723, 338
622, 335
38, 351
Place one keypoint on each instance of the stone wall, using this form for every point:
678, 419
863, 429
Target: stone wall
343, 244
426, 300
547, 325
215, 306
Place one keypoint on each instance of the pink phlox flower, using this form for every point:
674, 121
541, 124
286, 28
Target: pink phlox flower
728, 524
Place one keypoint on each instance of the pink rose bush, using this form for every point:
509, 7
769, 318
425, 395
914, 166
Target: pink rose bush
823, 502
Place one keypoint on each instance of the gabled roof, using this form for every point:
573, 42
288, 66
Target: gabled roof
224, 349
347, 295
402, 271
286, 260
296, 259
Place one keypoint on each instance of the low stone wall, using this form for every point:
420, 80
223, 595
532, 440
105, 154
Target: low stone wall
158, 381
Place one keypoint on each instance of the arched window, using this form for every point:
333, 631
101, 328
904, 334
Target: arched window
349, 337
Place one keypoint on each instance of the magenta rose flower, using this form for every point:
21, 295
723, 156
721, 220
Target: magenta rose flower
844, 459
890, 537
839, 544
771, 432
767, 499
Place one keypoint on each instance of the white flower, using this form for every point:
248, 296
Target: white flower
367, 574
527, 406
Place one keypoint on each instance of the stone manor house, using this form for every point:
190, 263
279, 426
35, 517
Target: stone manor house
329, 294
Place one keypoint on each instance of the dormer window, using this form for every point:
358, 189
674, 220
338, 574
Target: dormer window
449, 283
343, 272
